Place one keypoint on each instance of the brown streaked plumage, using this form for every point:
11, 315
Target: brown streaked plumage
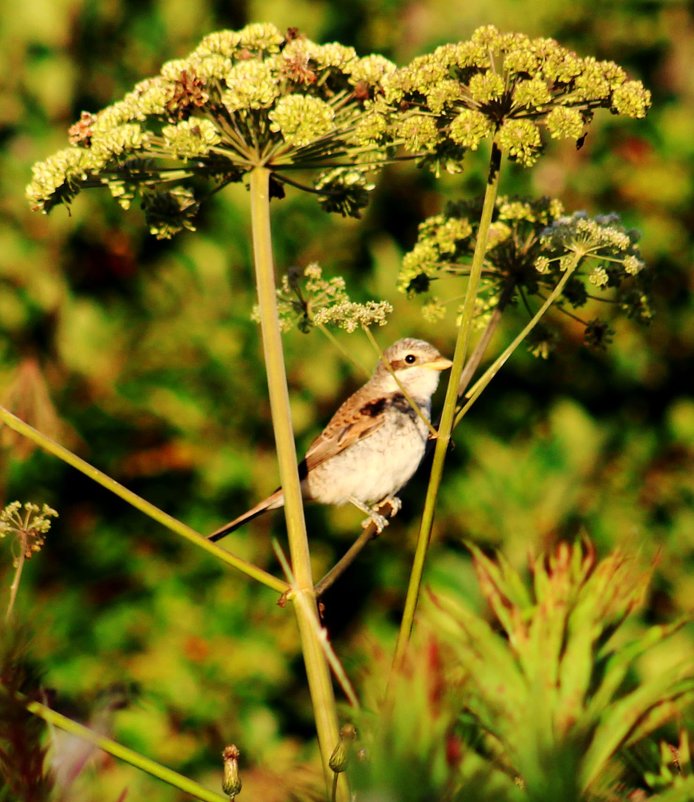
375, 441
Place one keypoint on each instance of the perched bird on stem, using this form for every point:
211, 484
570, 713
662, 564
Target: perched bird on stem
375, 441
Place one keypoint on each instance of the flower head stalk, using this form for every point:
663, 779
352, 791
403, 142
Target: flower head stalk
27, 525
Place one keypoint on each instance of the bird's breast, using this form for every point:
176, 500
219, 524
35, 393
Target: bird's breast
376, 466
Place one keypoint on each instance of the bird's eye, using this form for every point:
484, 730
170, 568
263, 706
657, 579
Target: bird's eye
410, 359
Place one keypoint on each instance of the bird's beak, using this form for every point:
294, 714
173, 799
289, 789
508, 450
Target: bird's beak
441, 363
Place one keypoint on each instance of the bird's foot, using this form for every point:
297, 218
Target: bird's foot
394, 503
390, 504
375, 518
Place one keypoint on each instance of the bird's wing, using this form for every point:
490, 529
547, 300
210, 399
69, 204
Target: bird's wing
355, 420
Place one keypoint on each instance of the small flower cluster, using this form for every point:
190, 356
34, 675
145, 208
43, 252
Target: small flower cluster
505, 87
240, 99
306, 299
28, 524
530, 244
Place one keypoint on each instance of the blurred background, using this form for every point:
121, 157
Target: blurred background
141, 356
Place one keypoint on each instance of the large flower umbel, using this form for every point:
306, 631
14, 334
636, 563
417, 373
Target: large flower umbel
504, 87
241, 99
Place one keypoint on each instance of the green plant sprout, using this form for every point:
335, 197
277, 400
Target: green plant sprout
538, 703
268, 108
554, 690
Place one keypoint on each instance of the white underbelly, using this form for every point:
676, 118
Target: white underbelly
371, 470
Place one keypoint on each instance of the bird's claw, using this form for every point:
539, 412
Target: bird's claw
378, 520
395, 505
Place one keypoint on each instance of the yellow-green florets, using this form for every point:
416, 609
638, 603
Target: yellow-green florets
508, 87
530, 245
241, 99
306, 299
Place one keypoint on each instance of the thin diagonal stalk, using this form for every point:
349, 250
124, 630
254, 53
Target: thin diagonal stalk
121, 752
47, 444
346, 560
306, 611
499, 362
449, 408
483, 343
321, 634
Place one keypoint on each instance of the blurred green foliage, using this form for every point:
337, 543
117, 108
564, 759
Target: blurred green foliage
142, 356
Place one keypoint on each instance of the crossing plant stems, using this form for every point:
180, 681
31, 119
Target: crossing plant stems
281, 113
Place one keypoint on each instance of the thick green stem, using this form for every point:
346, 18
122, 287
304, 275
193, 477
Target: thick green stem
317, 669
138, 502
128, 755
449, 407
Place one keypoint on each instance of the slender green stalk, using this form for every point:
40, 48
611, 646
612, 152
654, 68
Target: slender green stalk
139, 503
305, 608
123, 753
482, 344
449, 408
345, 353
499, 362
366, 536
14, 587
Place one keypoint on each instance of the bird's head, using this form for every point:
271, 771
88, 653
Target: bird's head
416, 364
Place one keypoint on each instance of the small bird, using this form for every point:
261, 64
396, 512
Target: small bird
375, 441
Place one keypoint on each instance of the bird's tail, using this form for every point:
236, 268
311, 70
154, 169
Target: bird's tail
270, 503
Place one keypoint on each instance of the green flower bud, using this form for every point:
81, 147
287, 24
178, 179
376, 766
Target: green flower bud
149, 97
124, 111
370, 70
251, 84
231, 783
632, 99
222, 43
565, 123
599, 276
470, 127
486, 87
261, 36
594, 81
212, 67
531, 93
520, 140
633, 265
444, 94
542, 264
334, 55
55, 179
522, 59
418, 132
340, 757
301, 119
191, 139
